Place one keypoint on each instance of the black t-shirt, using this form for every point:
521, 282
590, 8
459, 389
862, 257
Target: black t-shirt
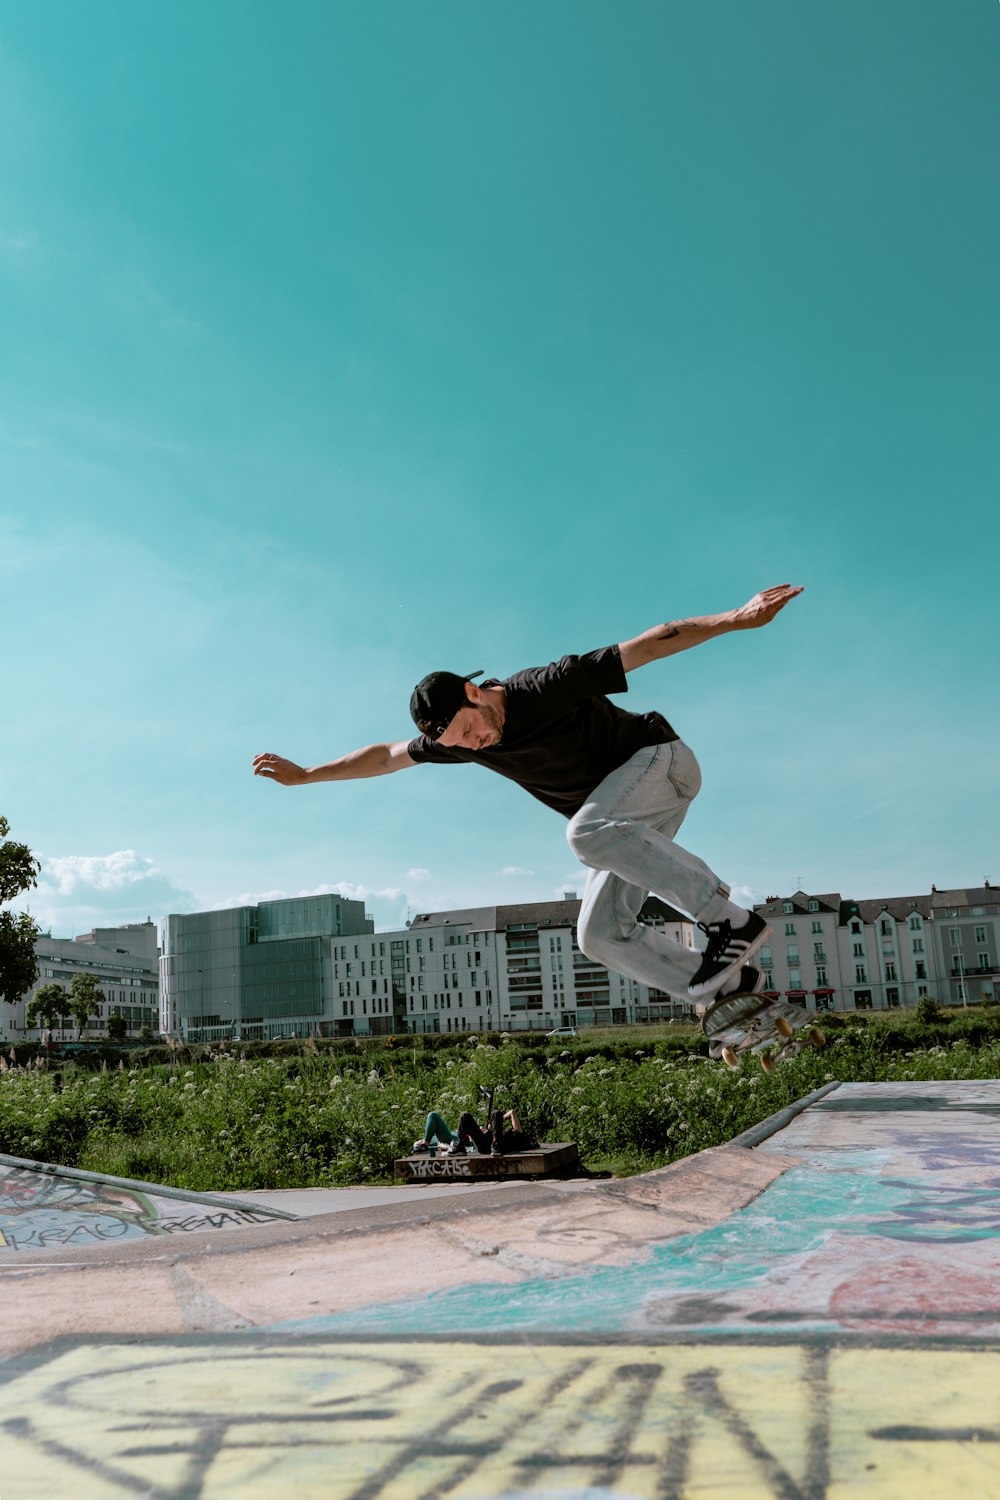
561, 736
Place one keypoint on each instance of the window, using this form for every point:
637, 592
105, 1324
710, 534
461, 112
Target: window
814, 906
885, 928
787, 906
892, 999
860, 977
856, 928
980, 934
819, 953
817, 926
792, 953
859, 950
765, 957
921, 970
789, 929
794, 979
914, 923
984, 962
821, 978
955, 936
890, 971
918, 945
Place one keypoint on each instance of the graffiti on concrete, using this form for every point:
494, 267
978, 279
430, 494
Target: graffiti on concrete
407, 1421
909, 1212
445, 1166
39, 1211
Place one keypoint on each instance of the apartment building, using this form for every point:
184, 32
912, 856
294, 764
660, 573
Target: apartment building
831, 953
966, 933
507, 968
315, 966
124, 959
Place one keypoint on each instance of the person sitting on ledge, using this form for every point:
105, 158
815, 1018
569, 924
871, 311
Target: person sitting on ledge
495, 1140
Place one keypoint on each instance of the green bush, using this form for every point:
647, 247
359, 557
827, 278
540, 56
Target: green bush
927, 1010
252, 1116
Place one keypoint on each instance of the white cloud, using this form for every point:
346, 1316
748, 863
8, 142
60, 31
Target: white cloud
388, 905
79, 891
510, 871
69, 873
743, 895
418, 874
253, 898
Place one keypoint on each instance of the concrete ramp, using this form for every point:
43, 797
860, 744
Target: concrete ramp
810, 1313
47, 1208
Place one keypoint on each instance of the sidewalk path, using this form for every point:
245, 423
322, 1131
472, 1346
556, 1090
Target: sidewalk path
812, 1316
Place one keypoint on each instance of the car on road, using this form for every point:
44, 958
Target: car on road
562, 1031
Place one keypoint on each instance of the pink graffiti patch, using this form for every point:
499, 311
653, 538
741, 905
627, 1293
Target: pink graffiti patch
913, 1296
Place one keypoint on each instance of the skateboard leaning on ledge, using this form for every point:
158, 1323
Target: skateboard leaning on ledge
559, 1159
773, 1029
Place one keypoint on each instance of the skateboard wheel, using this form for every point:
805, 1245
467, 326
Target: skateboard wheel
767, 1062
817, 1038
730, 1058
784, 1027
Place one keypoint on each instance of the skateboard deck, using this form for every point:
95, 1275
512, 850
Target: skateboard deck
773, 1029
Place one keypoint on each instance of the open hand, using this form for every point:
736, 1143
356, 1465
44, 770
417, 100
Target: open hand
277, 768
764, 606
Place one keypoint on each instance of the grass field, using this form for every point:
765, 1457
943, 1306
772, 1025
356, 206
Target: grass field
634, 1098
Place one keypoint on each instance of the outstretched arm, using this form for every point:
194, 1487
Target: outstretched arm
680, 635
373, 760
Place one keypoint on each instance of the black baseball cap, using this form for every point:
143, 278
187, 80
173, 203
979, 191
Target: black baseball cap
436, 700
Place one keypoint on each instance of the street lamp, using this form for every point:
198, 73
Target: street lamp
962, 987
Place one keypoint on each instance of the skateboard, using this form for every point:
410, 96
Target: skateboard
736, 1024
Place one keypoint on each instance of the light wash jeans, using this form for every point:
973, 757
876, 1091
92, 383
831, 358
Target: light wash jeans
624, 833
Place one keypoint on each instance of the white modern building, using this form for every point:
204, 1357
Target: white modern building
488, 968
314, 966
124, 960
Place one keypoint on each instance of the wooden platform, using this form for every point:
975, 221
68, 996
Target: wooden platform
560, 1159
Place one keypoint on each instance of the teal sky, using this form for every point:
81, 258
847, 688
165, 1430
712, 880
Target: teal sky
342, 341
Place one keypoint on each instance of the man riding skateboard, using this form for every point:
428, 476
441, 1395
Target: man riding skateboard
624, 781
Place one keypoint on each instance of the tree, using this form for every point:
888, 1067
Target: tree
85, 997
117, 1028
928, 1010
47, 1006
18, 933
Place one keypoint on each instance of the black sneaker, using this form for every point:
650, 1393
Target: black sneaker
419, 1146
456, 1149
727, 952
748, 981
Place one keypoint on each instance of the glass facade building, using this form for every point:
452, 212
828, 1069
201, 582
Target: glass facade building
254, 972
